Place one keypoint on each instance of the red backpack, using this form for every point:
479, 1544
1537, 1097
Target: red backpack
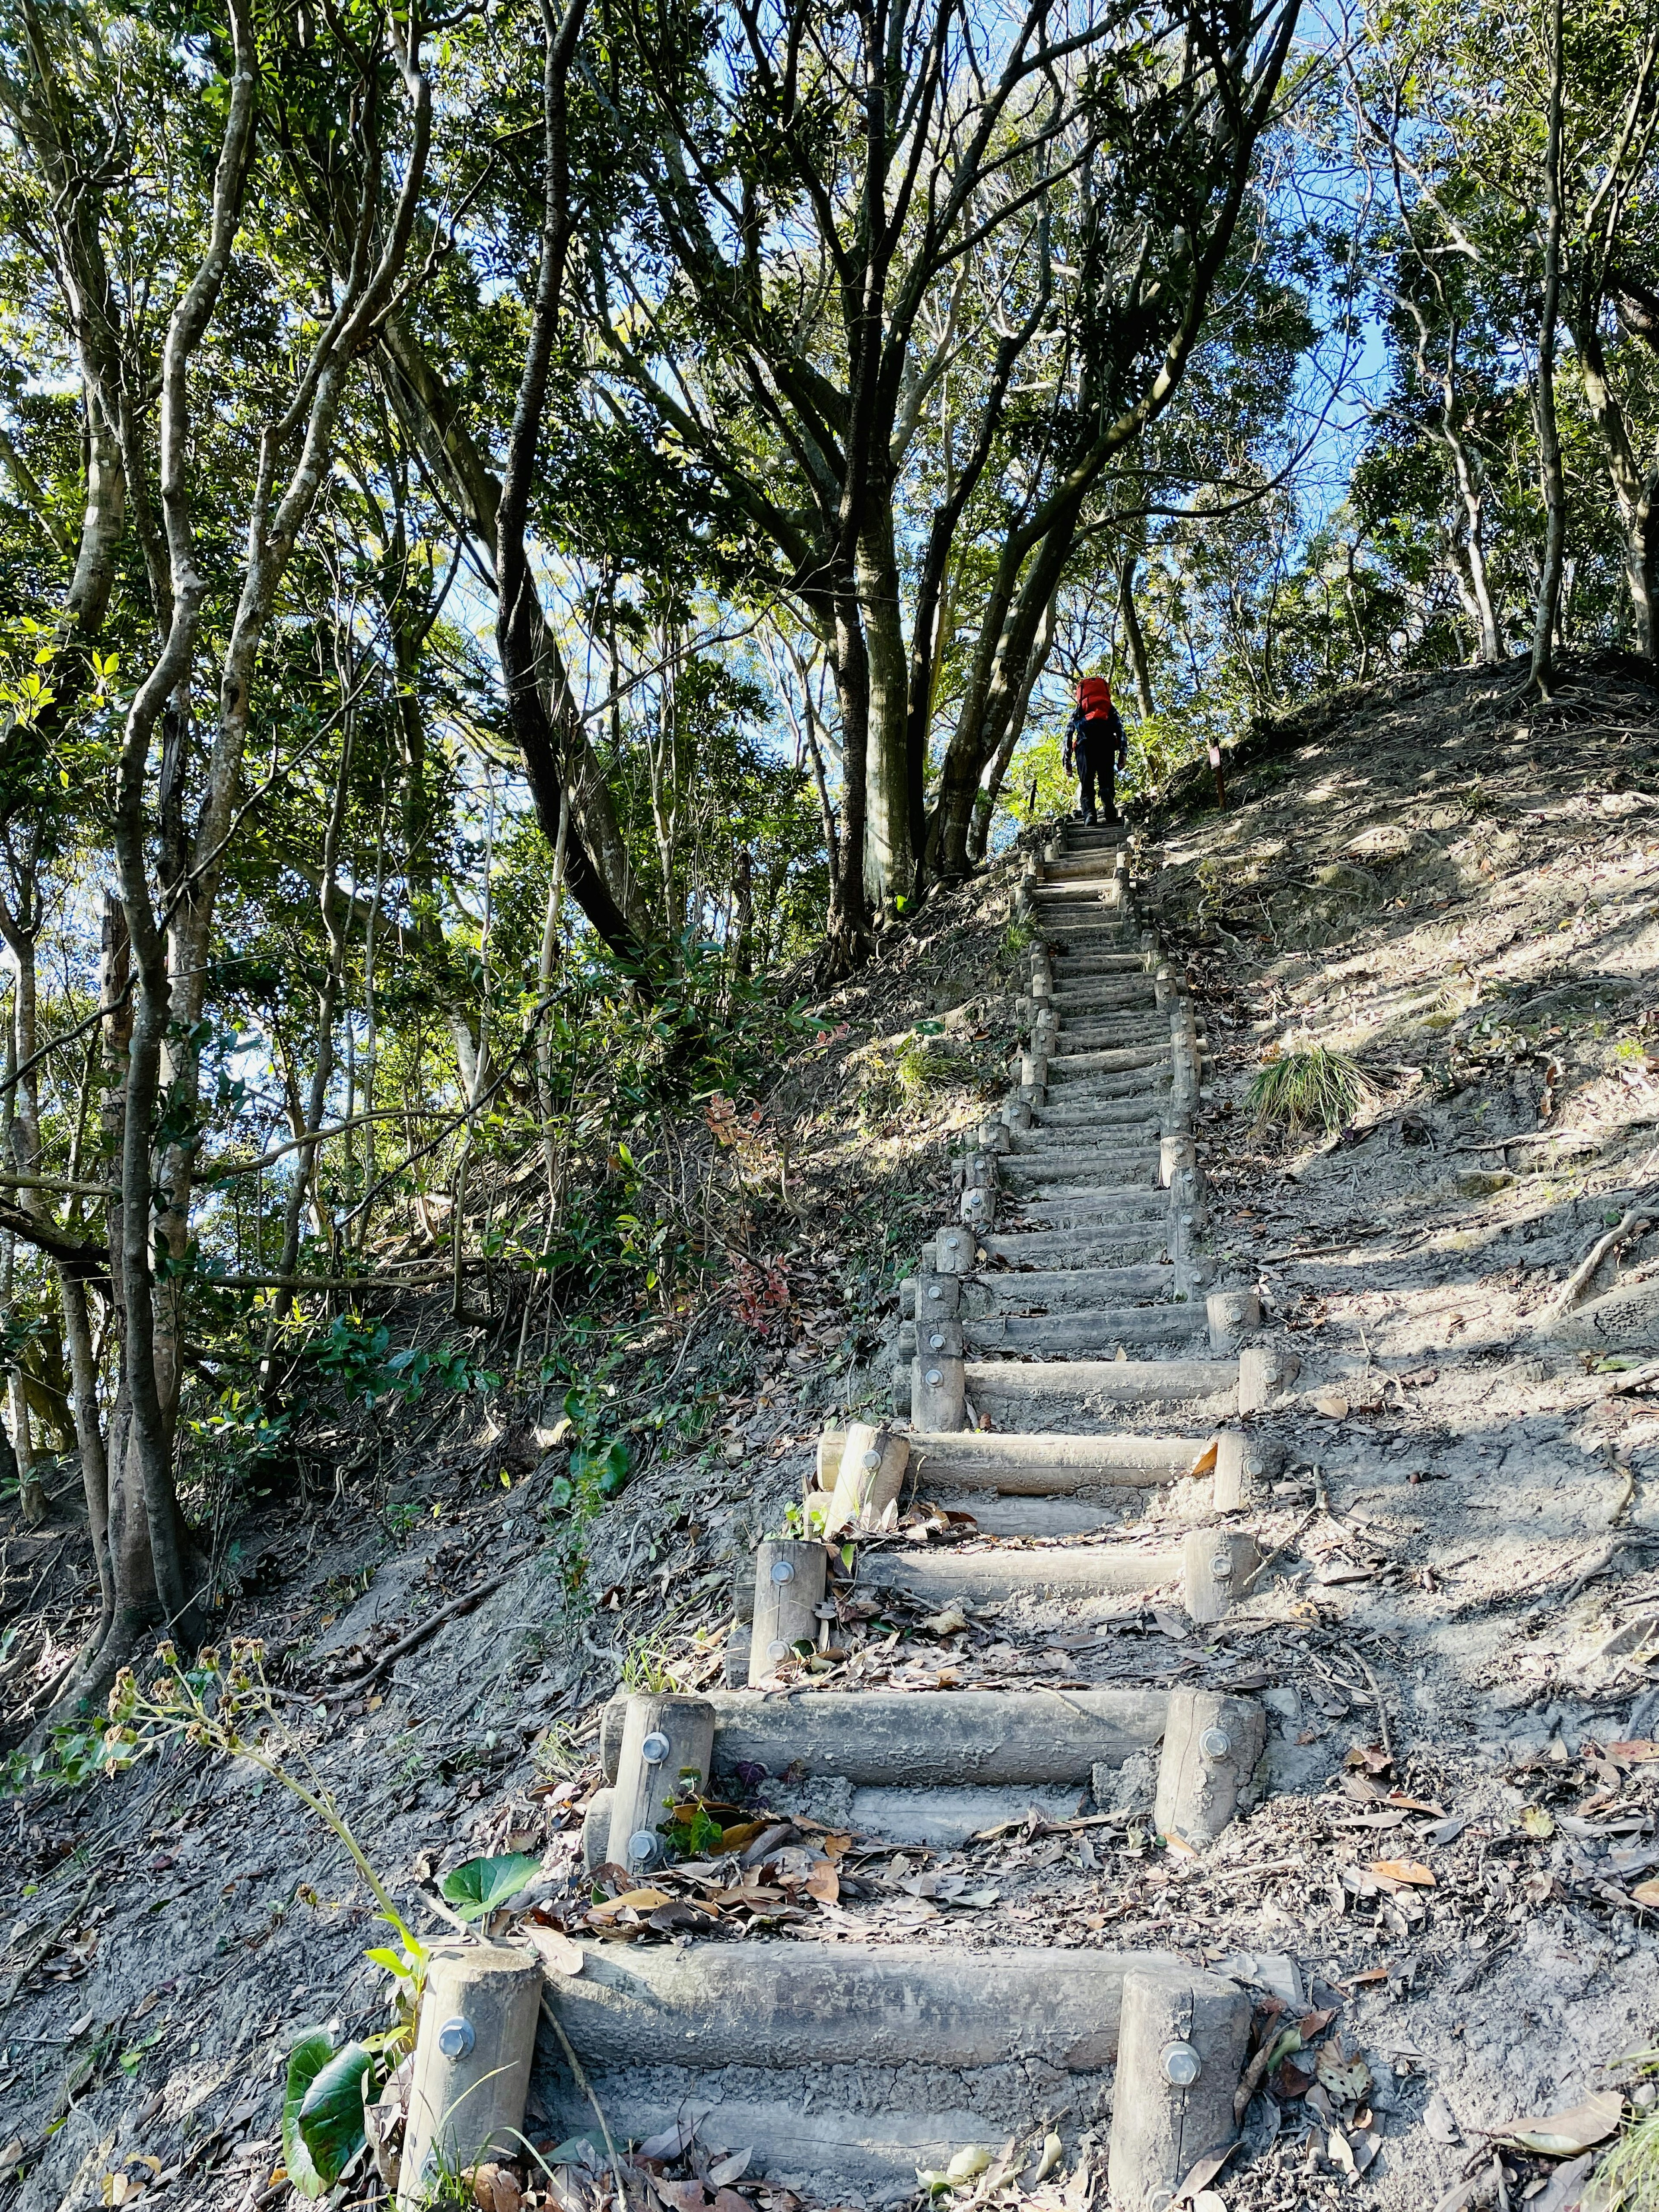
1094, 696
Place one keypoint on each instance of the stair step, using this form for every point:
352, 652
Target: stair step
1080, 1391
1081, 1335
1043, 1465
1078, 1062
921, 1739
1131, 1121
1083, 1107
1099, 964
1100, 997
1062, 1173
997, 1516
1138, 1209
1073, 1095
1070, 1570
1051, 1288
1028, 2038
1088, 1246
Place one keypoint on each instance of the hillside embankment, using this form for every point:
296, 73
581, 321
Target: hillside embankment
1461, 893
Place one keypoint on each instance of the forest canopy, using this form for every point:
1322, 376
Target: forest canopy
534, 539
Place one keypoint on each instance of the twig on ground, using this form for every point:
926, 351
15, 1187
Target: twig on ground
1278, 1552
1568, 1295
586, 2087
418, 1635
1383, 1736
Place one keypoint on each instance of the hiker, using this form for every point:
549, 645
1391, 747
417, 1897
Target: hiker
1096, 741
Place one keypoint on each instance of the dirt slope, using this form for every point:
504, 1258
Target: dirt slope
1464, 897
165, 1936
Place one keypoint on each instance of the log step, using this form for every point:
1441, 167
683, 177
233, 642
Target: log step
1029, 2036
923, 1738
1043, 1465
1080, 1391
1067, 1570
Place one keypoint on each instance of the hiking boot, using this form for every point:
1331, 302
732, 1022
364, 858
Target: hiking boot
1091, 820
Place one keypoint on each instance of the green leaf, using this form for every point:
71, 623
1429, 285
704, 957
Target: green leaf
478, 1886
393, 1961
330, 2118
306, 2061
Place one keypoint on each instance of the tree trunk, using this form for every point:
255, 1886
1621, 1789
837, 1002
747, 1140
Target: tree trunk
848, 939
1550, 468
1133, 637
889, 861
1634, 488
985, 799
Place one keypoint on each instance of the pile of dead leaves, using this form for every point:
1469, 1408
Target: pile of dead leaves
761, 1874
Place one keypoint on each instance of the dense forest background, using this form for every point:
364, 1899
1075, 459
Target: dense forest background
531, 542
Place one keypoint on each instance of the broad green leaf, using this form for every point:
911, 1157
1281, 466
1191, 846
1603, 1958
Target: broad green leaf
478, 1886
306, 2061
330, 2119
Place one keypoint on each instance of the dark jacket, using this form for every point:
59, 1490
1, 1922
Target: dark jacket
1107, 740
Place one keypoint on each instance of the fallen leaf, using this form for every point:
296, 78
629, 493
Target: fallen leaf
672, 2143
728, 2200
1537, 1822
732, 2169
823, 1882
1371, 1756
11, 2157
1178, 1847
632, 1900
1402, 1871
741, 1833
950, 1622
1646, 1892
1347, 2080
1332, 1404
1564, 2134
557, 1953
968, 2163
1636, 1751
1053, 2151
680, 2195
1439, 2121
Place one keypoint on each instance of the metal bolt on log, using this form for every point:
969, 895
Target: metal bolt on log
1266, 1372
1244, 1464
1232, 1315
472, 2058
979, 1209
790, 1579
868, 1478
953, 1252
1182, 2043
1215, 1563
664, 1738
939, 1392
1176, 1151
1212, 1744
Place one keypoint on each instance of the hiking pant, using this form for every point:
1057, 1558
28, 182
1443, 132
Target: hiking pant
1097, 768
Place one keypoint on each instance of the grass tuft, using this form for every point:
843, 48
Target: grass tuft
921, 1065
1316, 1089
